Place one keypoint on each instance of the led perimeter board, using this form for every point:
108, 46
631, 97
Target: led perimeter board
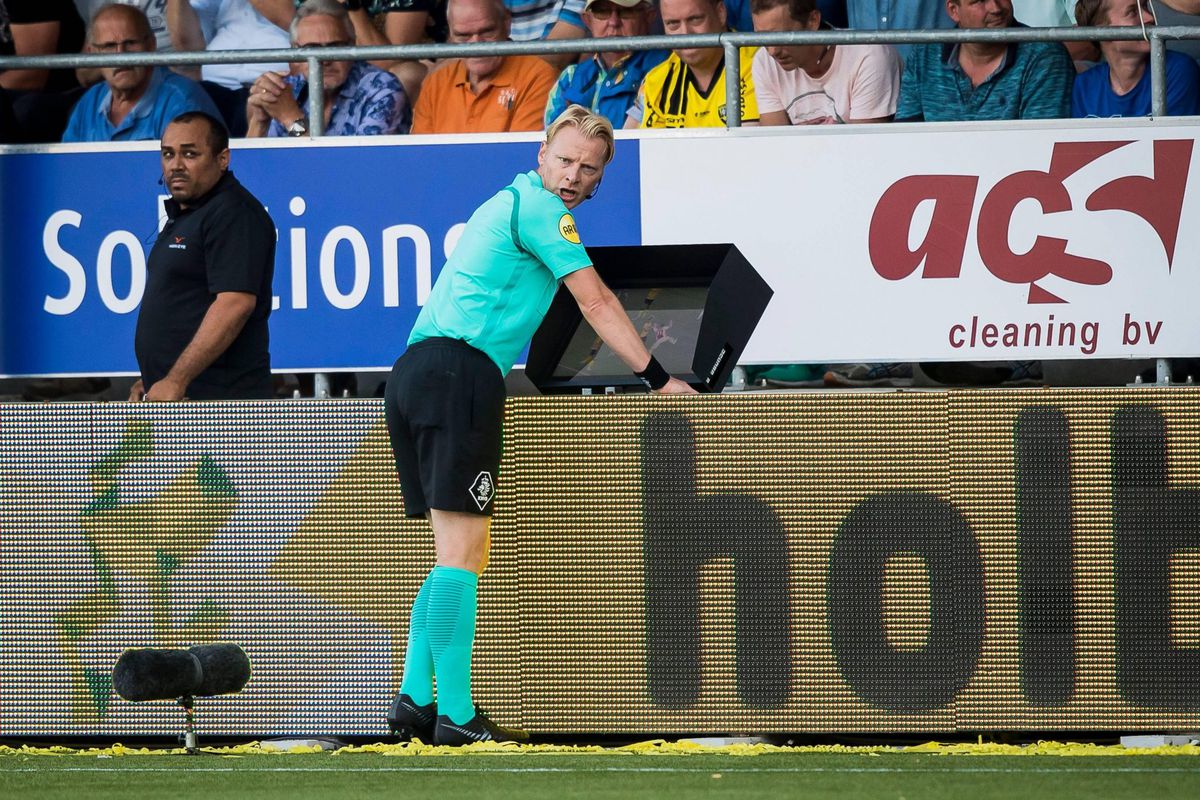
848, 562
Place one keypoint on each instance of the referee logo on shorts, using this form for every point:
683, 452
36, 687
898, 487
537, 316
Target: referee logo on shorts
482, 489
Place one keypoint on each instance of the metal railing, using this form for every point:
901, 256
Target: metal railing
730, 42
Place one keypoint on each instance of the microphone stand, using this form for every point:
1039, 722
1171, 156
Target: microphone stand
187, 703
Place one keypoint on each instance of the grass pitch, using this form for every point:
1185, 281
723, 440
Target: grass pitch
517, 775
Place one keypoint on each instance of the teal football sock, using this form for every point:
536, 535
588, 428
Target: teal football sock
418, 659
450, 625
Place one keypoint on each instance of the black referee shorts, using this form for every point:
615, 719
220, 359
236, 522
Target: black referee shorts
445, 412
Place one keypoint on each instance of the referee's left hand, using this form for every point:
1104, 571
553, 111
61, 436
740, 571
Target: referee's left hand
676, 386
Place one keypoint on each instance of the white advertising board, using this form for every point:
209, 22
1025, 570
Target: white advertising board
947, 242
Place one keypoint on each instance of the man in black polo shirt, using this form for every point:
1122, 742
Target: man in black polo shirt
202, 327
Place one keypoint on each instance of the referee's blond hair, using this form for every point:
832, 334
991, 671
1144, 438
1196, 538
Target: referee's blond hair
592, 126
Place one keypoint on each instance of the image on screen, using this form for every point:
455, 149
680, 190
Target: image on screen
668, 320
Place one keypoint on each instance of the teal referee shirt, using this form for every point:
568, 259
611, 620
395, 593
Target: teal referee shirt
504, 272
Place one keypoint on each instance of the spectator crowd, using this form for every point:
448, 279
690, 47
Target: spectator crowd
685, 87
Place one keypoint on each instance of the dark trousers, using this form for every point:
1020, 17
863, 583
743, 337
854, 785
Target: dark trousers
232, 105
38, 117
10, 132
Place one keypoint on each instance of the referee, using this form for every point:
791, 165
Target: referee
445, 402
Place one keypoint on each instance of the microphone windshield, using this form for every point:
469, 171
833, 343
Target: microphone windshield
225, 668
156, 674
202, 671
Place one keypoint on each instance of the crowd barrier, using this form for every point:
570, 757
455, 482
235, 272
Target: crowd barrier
882, 243
924, 562
730, 42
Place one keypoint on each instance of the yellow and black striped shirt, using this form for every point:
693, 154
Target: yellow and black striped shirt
671, 97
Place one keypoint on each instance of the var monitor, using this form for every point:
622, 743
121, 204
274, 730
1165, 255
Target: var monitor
694, 305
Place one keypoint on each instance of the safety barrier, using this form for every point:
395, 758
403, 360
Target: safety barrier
730, 42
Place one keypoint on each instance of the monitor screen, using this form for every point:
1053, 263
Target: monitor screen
668, 319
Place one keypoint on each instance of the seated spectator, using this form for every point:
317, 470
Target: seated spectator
230, 25
156, 14
820, 84
42, 99
131, 103
985, 81
688, 89
533, 20
155, 11
483, 94
360, 99
379, 23
898, 15
607, 83
1119, 86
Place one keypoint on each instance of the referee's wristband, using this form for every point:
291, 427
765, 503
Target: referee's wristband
654, 376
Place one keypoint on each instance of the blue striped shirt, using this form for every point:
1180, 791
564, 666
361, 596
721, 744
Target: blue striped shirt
533, 19
898, 15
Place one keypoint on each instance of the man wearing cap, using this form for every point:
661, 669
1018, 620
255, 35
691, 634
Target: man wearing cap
607, 83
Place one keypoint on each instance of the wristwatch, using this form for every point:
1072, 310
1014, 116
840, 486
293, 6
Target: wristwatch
298, 128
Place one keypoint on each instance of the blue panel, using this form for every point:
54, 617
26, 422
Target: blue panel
92, 197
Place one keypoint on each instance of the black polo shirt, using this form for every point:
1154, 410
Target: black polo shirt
223, 242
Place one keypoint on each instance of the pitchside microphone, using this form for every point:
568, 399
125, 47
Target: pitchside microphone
201, 671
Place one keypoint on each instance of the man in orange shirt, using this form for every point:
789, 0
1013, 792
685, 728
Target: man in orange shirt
488, 94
